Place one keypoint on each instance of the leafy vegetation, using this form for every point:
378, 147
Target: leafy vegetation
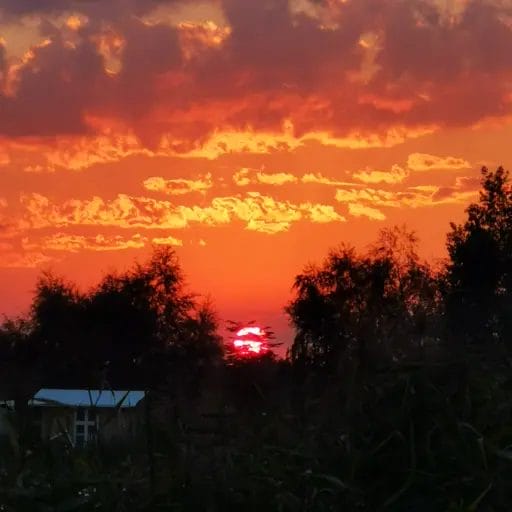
396, 395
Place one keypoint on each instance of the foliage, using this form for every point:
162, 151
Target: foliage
123, 330
377, 306
479, 274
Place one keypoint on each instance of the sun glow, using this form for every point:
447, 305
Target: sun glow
250, 342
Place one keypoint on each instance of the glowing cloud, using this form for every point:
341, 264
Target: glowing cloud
319, 179
396, 175
370, 195
323, 213
463, 191
196, 37
78, 243
168, 240
241, 178
211, 85
245, 177
425, 162
360, 210
258, 212
278, 178
178, 187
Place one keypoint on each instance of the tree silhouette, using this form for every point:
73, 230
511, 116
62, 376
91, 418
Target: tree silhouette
59, 330
479, 272
126, 330
373, 307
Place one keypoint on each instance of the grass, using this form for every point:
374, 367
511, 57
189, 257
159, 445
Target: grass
410, 440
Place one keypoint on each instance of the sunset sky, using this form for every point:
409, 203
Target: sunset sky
252, 135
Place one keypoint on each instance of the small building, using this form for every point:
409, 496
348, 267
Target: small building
81, 416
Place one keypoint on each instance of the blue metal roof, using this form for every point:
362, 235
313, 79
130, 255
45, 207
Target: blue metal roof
86, 398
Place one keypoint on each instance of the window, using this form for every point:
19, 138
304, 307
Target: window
85, 426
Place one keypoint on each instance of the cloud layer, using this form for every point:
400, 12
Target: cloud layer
237, 116
256, 211
334, 71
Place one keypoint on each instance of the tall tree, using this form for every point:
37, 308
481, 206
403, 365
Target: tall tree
58, 326
374, 306
127, 329
479, 271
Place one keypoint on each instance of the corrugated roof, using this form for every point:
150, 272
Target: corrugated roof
86, 398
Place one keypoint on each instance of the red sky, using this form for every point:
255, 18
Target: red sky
252, 135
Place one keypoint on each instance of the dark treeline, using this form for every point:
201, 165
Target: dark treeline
122, 333
395, 395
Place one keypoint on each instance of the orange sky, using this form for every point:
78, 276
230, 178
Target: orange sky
251, 135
